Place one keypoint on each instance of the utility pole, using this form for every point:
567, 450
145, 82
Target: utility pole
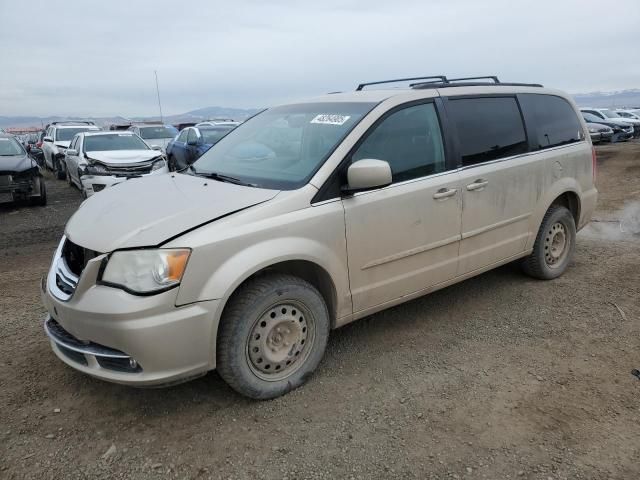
158, 92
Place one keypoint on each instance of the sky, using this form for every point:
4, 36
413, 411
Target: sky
90, 58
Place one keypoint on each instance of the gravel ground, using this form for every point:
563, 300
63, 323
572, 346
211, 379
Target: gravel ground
500, 376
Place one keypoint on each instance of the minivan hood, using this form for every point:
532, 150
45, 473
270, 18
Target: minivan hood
149, 211
123, 156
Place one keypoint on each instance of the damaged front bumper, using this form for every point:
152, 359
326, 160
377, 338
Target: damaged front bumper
95, 183
20, 186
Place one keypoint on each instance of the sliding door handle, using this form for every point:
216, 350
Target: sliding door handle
478, 184
444, 193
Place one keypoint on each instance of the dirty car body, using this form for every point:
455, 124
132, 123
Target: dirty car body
312, 215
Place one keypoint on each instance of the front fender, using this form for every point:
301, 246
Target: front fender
236, 269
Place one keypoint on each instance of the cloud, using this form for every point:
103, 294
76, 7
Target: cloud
97, 58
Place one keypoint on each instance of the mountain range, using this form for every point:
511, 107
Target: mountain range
615, 99
199, 115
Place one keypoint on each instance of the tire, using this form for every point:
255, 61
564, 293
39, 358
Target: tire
40, 201
281, 318
171, 162
554, 245
58, 169
68, 177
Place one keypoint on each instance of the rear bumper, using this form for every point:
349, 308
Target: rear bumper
588, 202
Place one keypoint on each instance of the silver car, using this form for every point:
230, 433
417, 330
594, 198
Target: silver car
312, 215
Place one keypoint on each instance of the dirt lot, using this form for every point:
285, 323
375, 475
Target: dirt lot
498, 377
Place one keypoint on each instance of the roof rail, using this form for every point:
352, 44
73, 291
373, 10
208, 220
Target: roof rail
441, 78
73, 122
464, 82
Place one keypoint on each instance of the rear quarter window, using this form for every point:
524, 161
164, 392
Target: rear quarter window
553, 121
488, 128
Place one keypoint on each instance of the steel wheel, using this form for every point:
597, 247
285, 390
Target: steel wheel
555, 245
279, 341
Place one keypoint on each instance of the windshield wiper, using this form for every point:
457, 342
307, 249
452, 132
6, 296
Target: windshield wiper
220, 177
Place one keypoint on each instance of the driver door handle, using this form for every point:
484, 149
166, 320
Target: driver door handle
478, 184
444, 193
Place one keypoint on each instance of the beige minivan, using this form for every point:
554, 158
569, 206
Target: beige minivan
309, 216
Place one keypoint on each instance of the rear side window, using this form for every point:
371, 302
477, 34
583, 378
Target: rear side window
488, 128
555, 122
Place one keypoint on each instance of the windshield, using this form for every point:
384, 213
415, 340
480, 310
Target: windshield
590, 117
10, 147
211, 136
150, 133
281, 148
609, 113
66, 134
120, 141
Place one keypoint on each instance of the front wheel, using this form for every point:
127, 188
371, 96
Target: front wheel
272, 336
554, 245
40, 200
171, 163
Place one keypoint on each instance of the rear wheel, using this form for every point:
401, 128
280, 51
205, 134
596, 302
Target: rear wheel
68, 175
58, 168
554, 245
272, 336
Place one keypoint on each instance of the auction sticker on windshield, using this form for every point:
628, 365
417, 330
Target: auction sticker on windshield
328, 119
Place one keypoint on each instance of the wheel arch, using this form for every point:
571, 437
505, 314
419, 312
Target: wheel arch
308, 270
567, 193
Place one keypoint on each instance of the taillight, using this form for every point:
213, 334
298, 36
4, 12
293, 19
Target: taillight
39, 145
594, 162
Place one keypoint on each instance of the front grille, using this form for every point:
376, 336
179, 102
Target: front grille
68, 266
130, 170
74, 257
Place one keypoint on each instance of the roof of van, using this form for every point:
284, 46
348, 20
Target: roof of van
377, 96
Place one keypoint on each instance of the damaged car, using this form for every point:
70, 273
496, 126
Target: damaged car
97, 160
20, 175
309, 216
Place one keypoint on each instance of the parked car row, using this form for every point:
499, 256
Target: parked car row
93, 159
606, 125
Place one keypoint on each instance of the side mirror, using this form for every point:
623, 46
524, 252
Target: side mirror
47, 139
367, 174
71, 152
156, 147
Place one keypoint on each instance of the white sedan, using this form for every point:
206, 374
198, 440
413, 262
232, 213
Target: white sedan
97, 160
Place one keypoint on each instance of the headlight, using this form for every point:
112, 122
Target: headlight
146, 271
158, 164
96, 169
593, 130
